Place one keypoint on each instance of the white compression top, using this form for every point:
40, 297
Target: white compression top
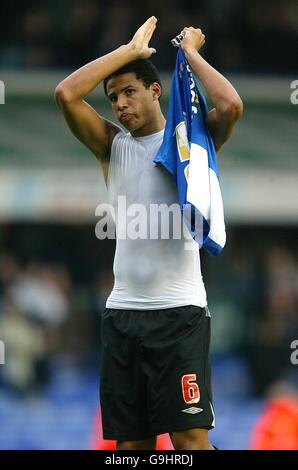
149, 273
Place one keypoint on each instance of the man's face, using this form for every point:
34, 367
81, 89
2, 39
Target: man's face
131, 101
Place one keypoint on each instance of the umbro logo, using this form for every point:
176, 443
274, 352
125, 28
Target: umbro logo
193, 410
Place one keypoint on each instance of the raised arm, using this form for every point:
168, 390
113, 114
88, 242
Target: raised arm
228, 106
86, 124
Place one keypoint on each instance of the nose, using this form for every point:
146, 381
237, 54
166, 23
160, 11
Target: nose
121, 102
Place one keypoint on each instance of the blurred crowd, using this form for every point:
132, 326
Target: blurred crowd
43, 317
35, 304
250, 37
277, 326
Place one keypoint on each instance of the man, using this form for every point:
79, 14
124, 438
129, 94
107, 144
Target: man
155, 375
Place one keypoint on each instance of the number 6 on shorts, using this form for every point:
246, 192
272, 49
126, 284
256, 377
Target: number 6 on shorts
190, 389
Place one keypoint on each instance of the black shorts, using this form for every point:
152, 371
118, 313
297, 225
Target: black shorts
155, 372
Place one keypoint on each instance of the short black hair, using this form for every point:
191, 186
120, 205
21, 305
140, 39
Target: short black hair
144, 69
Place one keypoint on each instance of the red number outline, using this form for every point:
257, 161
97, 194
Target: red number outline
190, 389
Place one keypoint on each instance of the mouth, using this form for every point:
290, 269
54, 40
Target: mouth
125, 117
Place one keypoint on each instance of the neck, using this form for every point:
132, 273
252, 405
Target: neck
151, 127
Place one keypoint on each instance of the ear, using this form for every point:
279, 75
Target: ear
156, 91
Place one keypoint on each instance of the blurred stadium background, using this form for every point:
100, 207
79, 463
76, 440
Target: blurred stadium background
55, 275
